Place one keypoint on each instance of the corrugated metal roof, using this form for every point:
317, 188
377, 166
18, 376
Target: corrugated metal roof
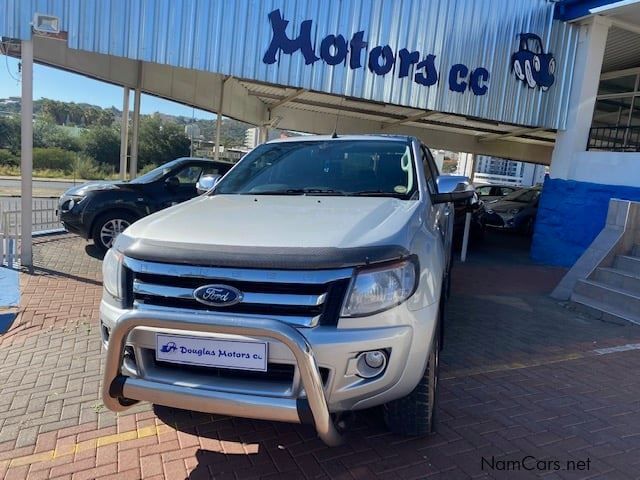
622, 50
230, 37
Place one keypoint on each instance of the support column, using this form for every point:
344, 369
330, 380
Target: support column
133, 165
584, 89
124, 134
216, 155
263, 135
26, 154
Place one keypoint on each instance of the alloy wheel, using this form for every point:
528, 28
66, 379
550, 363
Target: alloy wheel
111, 229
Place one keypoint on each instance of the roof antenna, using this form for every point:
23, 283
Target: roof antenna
335, 128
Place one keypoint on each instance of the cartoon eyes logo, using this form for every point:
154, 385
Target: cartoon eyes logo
531, 64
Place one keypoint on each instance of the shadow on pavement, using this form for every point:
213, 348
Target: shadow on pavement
94, 251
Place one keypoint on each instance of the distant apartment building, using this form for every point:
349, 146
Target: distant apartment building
501, 171
252, 137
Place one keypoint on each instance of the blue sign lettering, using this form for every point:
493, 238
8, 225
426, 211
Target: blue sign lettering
430, 75
478, 81
334, 50
339, 45
456, 75
280, 41
407, 59
388, 60
357, 44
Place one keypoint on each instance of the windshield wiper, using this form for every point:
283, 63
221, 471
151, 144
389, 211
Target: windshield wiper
377, 193
300, 191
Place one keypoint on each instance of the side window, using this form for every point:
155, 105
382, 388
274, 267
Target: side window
189, 175
212, 170
505, 191
430, 170
484, 191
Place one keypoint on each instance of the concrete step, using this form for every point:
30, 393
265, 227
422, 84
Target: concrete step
622, 279
608, 299
627, 263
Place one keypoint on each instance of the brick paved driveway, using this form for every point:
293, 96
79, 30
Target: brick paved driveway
522, 376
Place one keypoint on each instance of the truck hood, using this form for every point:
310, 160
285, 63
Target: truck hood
302, 226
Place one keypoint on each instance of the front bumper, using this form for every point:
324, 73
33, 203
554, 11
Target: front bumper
74, 222
311, 399
119, 390
504, 221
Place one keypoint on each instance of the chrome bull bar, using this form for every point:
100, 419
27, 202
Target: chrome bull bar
120, 392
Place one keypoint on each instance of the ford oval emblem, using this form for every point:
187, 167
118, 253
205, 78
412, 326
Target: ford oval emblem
217, 295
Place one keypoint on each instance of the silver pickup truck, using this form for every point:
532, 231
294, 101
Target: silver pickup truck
308, 282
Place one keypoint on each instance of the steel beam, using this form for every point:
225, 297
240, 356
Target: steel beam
124, 133
513, 133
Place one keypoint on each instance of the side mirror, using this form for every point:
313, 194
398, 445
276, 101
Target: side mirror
453, 188
172, 182
207, 182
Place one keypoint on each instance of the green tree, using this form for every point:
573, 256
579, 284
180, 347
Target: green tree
48, 135
160, 141
103, 145
10, 134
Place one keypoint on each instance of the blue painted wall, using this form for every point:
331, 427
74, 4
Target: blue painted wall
570, 215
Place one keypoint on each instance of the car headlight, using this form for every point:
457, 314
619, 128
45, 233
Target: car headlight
112, 272
378, 289
515, 211
68, 204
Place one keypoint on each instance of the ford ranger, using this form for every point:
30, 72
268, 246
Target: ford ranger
320, 293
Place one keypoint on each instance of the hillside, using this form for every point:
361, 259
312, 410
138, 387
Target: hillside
86, 115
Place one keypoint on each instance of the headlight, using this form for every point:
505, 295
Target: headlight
67, 205
112, 272
515, 211
379, 289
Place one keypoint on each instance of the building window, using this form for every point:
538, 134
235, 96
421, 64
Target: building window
616, 116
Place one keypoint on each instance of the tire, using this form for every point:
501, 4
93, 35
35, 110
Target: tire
415, 414
527, 229
529, 74
107, 224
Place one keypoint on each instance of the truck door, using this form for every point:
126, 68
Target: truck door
442, 214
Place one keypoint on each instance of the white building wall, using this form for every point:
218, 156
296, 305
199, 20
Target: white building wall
507, 172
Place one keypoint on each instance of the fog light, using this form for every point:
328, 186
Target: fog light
371, 364
374, 359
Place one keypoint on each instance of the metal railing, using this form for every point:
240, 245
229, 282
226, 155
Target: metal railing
44, 220
614, 139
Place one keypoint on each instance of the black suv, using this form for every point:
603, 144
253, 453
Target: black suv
101, 210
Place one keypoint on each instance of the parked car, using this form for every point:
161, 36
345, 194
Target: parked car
321, 293
489, 193
517, 211
102, 210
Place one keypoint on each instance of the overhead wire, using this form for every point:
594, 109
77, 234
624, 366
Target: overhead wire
6, 61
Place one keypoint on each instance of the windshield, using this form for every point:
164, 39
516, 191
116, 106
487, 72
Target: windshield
325, 167
522, 196
156, 174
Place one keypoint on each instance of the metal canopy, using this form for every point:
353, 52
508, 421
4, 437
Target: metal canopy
297, 109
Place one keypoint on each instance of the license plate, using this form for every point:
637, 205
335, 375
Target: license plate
211, 352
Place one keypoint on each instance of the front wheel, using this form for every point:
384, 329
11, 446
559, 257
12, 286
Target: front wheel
414, 415
108, 226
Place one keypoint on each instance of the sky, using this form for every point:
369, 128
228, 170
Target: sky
60, 85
